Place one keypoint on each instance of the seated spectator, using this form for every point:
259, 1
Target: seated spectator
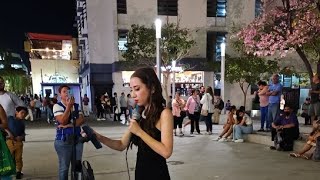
243, 126
228, 127
285, 130
311, 143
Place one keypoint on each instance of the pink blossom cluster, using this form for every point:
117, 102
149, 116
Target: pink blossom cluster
281, 29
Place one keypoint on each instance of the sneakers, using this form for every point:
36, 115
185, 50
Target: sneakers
261, 130
19, 175
239, 141
223, 139
216, 139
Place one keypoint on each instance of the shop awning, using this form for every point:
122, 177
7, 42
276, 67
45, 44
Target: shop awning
48, 37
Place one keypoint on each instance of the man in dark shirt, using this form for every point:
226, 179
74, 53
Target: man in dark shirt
16, 137
314, 92
285, 129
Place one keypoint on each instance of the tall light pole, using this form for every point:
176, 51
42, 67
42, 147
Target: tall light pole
223, 59
158, 23
173, 70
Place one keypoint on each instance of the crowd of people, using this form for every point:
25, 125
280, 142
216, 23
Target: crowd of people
159, 122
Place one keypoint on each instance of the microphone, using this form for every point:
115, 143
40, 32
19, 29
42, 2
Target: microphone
135, 114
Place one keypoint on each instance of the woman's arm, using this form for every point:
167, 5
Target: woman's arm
242, 121
163, 148
80, 120
118, 145
263, 91
3, 118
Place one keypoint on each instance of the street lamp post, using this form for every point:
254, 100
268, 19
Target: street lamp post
223, 59
173, 66
157, 23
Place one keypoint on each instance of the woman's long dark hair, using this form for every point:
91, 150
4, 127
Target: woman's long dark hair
155, 99
210, 91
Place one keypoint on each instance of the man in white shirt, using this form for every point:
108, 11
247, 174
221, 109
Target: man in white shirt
8, 100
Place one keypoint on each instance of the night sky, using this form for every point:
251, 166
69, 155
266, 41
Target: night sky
43, 16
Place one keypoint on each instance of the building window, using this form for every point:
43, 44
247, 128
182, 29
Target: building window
258, 8
168, 7
214, 40
122, 6
216, 8
220, 38
122, 40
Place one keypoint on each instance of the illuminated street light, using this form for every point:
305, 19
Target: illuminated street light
158, 23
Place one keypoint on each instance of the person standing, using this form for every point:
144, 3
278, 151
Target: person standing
37, 106
207, 102
264, 102
314, 92
193, 107
8, 100
131, 105
115, 105
274, 93
85, 101
152, 133
65, 112
177, 107
305, 112
123, 106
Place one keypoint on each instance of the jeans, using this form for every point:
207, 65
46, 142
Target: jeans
273, 113
49, 113
264, 116
64, 151
208, 121
238, 130
194, 121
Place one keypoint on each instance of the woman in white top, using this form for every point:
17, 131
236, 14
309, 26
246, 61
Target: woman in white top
243, 126
207, 102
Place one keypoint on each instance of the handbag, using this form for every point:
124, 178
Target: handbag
204, 112
87, 171
7, 165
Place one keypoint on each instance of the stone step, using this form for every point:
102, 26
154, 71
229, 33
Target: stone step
266, 140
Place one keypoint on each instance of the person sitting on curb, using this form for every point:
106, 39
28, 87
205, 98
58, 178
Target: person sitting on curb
311, 143
228, 127
285, 130
243, 126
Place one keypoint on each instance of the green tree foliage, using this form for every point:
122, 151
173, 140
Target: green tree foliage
175, 44
17, 80
247, 69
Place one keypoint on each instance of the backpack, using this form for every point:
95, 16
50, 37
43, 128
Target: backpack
87, 171
221, 105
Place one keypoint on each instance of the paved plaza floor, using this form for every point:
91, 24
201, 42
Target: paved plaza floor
194, 157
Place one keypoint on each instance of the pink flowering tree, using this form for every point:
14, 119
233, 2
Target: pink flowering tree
291, 25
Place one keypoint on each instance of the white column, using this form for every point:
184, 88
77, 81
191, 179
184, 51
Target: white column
173, 66
223, 53
158, 36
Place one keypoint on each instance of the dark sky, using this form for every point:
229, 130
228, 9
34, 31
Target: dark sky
43, 16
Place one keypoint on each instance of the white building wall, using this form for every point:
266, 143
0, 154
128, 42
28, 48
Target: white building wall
68, 68
101, 25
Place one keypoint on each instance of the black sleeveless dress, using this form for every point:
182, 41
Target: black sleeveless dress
150, 165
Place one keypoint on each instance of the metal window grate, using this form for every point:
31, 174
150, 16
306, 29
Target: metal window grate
122, 6
168, 7
216, 8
